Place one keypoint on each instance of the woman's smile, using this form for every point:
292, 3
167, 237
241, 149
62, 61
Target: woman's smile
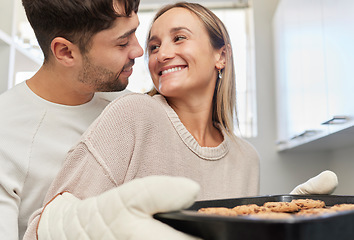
171, 70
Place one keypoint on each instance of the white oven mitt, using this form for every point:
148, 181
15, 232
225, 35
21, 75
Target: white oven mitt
324, 183
121, 213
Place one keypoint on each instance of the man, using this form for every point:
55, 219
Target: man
88, 47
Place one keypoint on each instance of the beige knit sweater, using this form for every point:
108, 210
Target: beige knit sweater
138, 135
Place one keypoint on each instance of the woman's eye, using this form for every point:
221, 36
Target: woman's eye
179, 38
153, 48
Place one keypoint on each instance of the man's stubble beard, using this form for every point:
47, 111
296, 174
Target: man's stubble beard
101, 79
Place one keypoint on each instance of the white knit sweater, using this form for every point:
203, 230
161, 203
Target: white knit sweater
35, 136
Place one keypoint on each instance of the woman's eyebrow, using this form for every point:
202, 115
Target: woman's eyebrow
176, 29
173, 30
152, 38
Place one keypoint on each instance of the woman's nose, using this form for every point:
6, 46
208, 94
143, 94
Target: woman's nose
165, 53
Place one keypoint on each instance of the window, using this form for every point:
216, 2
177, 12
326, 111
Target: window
239, 26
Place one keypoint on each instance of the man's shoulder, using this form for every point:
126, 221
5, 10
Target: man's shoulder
17, 107
12, 95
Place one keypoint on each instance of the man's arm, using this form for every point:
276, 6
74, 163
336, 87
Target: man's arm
81, 175
9, 209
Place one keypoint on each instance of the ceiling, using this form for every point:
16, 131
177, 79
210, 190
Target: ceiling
155, 4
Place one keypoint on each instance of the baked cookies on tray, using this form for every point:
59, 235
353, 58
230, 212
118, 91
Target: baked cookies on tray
279, 210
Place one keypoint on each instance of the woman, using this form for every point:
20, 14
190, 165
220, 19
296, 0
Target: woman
191, 65
185, 128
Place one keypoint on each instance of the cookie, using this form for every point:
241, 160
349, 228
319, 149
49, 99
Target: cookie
314, 211
218, 211
342, 207
286, 207
261, 210
280, 210
248, 209
309, 203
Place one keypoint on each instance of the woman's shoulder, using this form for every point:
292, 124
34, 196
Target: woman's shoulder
132, 101
131, 111
245, 147
138, 97
131, 97
131, 107
138, 101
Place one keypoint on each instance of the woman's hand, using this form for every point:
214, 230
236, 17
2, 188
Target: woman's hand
121, 213
324, 183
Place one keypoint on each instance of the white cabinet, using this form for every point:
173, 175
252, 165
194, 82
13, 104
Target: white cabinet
313, 59
18, 52
338, 19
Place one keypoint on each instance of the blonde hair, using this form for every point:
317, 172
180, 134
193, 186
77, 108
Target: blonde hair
224, 100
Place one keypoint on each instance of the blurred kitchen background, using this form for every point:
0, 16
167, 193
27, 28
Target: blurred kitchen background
294, 64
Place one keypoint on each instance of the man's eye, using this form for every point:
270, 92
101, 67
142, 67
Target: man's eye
124, 44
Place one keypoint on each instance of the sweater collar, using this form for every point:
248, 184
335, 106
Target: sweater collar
207, 153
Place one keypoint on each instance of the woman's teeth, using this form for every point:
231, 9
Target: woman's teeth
171, 70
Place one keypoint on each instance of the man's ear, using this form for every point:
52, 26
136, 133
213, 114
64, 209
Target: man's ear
64, 51
221, 58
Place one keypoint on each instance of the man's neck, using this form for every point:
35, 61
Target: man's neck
56, 88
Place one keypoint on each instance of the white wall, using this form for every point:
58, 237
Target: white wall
342, 163
281, 172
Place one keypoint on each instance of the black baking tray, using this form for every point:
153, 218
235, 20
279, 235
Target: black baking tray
338, 226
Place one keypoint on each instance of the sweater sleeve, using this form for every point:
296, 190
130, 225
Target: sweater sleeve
101, 159
120, 134
9, 209
81, 175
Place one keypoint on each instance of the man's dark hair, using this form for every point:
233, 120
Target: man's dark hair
75, 20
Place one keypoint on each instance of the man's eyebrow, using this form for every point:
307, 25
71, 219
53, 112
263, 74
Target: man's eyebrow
127, 34
173, 30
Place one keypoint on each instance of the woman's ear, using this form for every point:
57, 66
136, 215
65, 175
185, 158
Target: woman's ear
221, 58
64, 51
